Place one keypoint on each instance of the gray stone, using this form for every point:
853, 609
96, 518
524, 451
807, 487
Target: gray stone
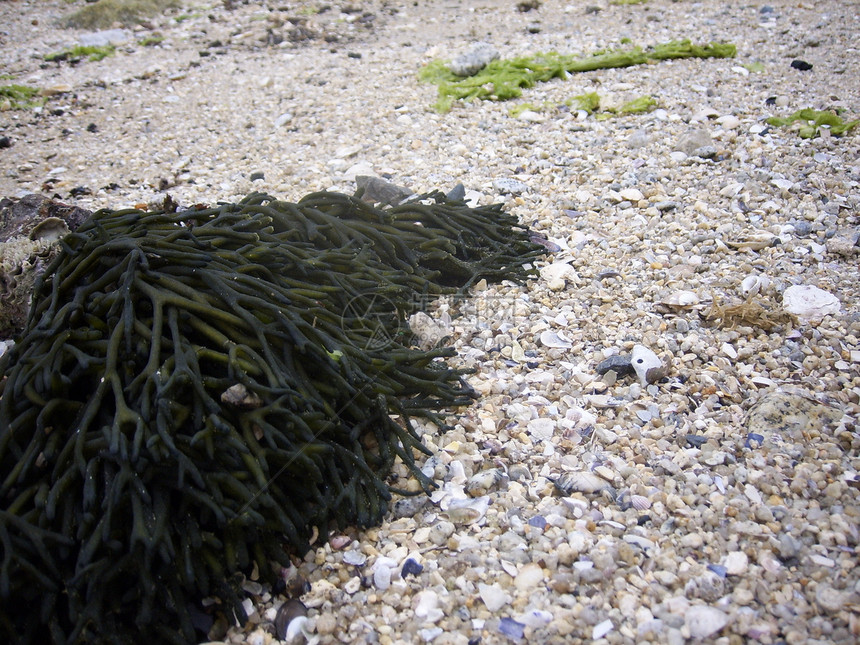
474, 60
695, 139
103, 38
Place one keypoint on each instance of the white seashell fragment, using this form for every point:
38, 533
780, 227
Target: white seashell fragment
601, 629
355, 558
493, 596
703, 621
556, 275
638, 540
754, 284
541, 429
534, 618
810, 303
682, 299
648, 367
469, 510
640, 503
426, 605
551, 339
754, 241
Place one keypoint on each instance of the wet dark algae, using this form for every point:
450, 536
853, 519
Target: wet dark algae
197, 391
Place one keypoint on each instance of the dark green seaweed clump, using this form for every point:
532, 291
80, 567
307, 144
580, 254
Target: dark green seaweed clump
197, 391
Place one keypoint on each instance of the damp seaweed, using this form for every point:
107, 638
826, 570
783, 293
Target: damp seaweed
79, 52
810, 122
502, 80
200, 392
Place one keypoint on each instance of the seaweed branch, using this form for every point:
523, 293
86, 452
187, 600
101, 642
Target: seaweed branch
199, 390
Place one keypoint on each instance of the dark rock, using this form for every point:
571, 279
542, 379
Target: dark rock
457, 193
257, 176
5, 142
802, 65
378, 191
621, 365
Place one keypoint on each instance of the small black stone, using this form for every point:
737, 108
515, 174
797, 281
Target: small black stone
621, 365
257, 176
695, 440
5, 142
411, 568
92, 127
802, 65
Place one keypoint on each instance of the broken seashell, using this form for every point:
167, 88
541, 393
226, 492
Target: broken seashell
551, 339
468, 511
49, 230
480, 483
640, 502
682, 299
541, 429
753, 284
579, 481
810, 303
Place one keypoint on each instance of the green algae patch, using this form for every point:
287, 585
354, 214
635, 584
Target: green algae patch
638, 106
506, 79
811, 121
590, 103
79, 52
754, 67
104, 13
19, 97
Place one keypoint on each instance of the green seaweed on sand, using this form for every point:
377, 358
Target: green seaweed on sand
590, 103
502, 80
78, 52
19, 97
197, 392
811, 121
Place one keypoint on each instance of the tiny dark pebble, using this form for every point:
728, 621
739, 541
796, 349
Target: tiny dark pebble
538, 521
92, 127
5, 142
621, 365
77, 191
695, 440
770, 100
58, 112
353, 55
719, 569
411, 568
802, 65
766, 9
803, 227
257, 176
643, 519
532, 365
754, 438
511, 628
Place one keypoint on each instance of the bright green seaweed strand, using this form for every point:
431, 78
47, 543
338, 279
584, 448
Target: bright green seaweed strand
501, 80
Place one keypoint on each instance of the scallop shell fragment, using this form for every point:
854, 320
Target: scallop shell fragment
580, 481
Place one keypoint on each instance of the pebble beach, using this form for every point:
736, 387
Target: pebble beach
665, 448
